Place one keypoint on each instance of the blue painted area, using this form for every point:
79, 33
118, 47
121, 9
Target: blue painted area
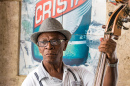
75, 54
75, 62
35, 52
84, 25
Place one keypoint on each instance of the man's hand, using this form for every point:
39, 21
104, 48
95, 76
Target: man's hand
108, 46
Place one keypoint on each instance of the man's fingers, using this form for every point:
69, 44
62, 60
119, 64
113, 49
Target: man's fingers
107, 47
107, 41
107, 44
101, 39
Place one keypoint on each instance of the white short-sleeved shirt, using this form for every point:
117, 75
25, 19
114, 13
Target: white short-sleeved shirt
82, 74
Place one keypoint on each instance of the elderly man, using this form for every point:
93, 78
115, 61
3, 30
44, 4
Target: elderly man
52, 40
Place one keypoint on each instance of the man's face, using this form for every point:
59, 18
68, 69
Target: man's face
51, 53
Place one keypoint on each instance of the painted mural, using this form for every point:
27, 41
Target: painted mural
83, 18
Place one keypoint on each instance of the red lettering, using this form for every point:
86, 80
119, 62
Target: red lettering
54, 8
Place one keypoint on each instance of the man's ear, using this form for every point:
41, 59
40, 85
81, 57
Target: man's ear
66, 43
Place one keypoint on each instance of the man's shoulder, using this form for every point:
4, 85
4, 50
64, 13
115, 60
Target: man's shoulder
31, 74
36, 70
30, 79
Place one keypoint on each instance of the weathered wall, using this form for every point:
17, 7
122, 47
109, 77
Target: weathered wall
9, 46
9, 43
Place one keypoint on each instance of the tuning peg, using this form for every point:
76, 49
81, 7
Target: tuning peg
103, 26
115, 37
110, 13
125, 20
120, 23
125, 28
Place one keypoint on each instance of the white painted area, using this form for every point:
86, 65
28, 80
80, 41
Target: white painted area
27, 63
95, 31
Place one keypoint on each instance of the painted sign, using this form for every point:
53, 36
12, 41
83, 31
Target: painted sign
54, 8
75, 16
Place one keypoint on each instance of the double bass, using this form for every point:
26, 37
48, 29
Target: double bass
112, 30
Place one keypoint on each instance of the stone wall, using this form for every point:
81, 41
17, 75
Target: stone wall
9, 46
9, 43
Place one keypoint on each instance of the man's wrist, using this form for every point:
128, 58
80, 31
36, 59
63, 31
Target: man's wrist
113, 63
113, 58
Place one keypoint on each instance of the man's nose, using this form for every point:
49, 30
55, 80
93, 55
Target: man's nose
49, 46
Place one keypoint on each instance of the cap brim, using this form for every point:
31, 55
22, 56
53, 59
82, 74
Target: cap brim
35, 35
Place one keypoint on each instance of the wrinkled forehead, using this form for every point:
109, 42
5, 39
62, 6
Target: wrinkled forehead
51, 35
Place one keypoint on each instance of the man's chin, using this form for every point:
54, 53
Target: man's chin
51, 61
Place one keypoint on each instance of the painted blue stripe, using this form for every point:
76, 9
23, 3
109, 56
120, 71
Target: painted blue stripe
84, 9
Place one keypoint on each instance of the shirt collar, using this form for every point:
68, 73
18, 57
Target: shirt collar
42, 73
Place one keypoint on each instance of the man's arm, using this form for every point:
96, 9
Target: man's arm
108, 46
111, 75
